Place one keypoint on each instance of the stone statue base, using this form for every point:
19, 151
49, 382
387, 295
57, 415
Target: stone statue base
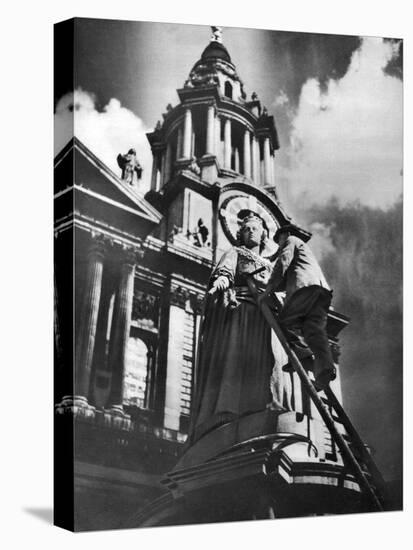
265, 465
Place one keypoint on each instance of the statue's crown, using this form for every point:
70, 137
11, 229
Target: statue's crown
250, 217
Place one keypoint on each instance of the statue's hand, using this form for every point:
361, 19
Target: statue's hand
220, 283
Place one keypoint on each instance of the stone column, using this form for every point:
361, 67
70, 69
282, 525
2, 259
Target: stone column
163, 168
186, 153
272, 169
168, 162
210, 136
255, 161
175, 359
179, 144
57, 337
98, 396
218, 147
154, 179
267, 161
85, 340
236, 159
247, 154
121, 320
227, 144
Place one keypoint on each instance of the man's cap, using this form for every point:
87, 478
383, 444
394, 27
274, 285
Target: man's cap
293, 230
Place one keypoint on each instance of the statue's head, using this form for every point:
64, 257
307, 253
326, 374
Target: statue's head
252, 232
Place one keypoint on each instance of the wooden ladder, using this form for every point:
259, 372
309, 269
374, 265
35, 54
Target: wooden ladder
354, 452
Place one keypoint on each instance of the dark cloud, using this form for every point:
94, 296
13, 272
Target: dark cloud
300, 56
395, 65
364, 266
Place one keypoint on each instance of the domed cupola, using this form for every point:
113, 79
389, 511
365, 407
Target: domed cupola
214, 134
216, 68
215, 50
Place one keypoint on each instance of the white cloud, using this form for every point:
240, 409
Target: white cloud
347, 142
106, 133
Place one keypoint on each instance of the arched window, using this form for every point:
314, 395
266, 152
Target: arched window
136, 372
228, 89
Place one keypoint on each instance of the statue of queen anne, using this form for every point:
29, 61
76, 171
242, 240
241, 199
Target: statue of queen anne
237, 370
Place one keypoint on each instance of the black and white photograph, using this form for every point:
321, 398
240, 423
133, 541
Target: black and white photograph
230, 203
206, 264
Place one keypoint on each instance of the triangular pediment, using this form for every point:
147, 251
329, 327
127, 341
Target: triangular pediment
92, 177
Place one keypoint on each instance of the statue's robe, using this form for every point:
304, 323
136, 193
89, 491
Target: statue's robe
237, 371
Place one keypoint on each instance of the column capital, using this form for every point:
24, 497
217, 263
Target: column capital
131, 254
179, 296
99, 245
212, 104
197, 303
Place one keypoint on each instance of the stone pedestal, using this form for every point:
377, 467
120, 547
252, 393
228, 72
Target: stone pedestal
76, 406
116, 418
265, 465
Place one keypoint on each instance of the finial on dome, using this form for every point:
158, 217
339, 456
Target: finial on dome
216, 34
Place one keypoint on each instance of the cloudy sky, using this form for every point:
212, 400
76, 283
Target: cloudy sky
337, 101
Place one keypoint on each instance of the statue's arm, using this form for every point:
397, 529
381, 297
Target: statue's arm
224, 272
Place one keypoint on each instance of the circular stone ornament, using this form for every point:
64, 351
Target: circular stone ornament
235, 207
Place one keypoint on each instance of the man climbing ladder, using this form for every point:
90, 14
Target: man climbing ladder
305, 309
303, 316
